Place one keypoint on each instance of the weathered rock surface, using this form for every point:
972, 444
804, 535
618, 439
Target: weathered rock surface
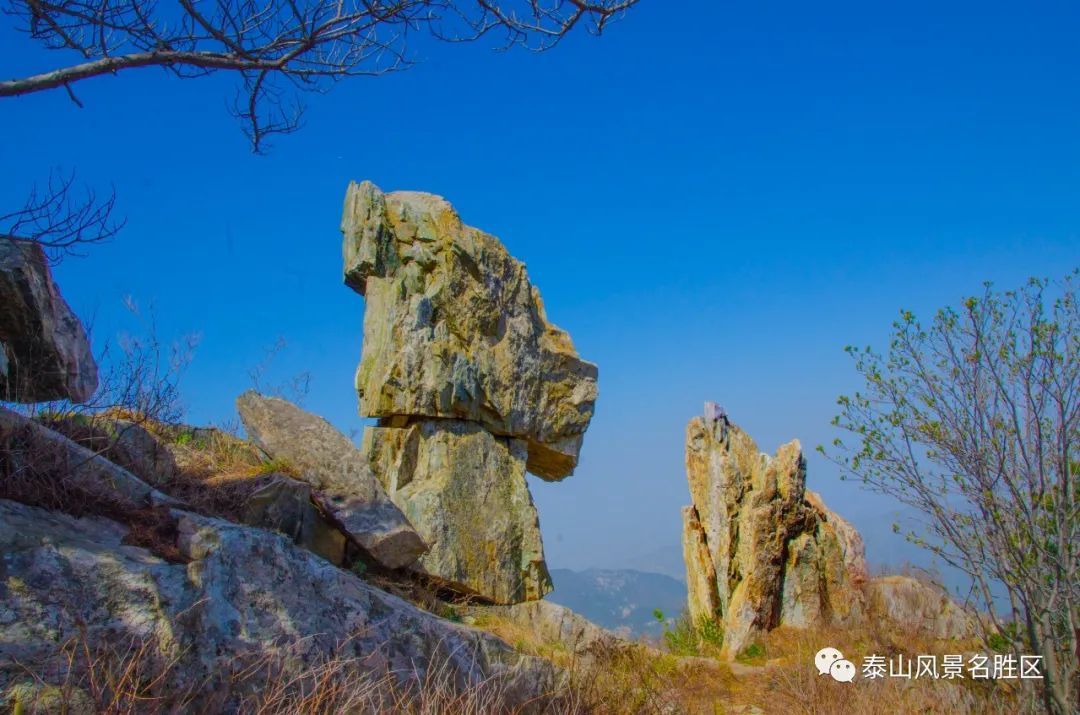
285, 505
37, 452
329, 462
245, 594
703, 597
759, 550
465, 491
915, 605
454, 329
45, 351
124, 442
824, 572
549, 622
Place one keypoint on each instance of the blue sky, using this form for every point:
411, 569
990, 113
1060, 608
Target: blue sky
714, 198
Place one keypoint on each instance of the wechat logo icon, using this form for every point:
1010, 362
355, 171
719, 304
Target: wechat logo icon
830, 661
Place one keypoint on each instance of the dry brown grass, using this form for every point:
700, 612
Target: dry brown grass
787, 682
210, 470
136, 678
780, 679
525, 641
631, 678
33, 472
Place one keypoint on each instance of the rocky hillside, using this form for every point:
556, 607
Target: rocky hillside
292, 555
152, 566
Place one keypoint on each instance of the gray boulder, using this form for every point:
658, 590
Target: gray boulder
552, 623
130, 444
285, 505
244, 595
913, 605
44, 351
37, 452
331, 464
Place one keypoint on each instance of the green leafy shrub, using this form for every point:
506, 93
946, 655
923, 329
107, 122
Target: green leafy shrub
684, 637
754, 651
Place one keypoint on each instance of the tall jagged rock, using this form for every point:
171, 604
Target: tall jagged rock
44, 352
760, 549
471, 384
454, 329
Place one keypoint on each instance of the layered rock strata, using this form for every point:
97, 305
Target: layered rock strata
241, 599
465, 490
760, 549
471, 384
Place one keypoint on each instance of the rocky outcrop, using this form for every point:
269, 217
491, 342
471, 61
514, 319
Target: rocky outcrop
44, 351
286, 505
471, 384
548, 622
920, 607
454, 329
761, 550
332, 465
824, 572
465, 490
703, 597
31, 451
135, 445
244, 596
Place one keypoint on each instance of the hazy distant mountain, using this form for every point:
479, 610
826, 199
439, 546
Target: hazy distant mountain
621, 600
666, 560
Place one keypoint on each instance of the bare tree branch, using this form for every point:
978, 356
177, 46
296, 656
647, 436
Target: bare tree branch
60, 220
280, 48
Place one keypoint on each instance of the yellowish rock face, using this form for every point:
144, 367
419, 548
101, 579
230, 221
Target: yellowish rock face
703, 600
760, 550
920, 607
454, 329
464, 489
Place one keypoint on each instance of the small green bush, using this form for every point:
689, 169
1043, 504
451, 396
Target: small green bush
754, 651
683, 637
1002, 642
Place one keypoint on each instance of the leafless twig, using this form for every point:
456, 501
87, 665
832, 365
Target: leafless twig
61, 220
280, 48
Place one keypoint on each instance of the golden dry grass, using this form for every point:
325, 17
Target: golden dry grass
136, 677
781, 679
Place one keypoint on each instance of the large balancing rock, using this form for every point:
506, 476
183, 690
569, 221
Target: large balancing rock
464, 490
454, 329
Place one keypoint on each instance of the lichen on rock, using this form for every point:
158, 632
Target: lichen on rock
454, 329
760, 549
472, 386
465, 490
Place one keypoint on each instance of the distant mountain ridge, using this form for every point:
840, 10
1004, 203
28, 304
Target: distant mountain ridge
621, 600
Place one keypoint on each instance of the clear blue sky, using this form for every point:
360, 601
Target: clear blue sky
714, 198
